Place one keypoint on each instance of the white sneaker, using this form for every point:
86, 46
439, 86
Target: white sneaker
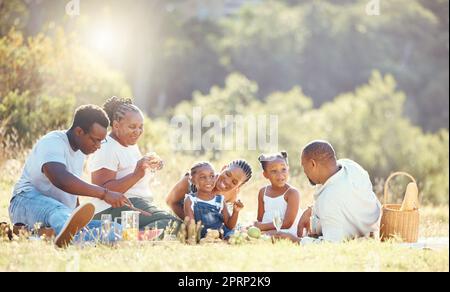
80, 217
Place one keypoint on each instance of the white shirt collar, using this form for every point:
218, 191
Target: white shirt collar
330, 181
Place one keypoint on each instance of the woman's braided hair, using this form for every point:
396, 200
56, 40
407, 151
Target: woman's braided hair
117, 108
246, 168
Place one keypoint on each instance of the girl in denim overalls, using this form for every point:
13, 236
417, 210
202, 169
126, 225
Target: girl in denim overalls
204, 206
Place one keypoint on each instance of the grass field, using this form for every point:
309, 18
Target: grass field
283, 256
362, 255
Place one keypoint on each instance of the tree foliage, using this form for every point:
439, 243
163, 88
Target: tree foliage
43, 78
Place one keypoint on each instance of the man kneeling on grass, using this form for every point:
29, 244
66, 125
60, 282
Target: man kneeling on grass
345, 205
48, 189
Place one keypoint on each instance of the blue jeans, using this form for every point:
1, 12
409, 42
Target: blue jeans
32, 207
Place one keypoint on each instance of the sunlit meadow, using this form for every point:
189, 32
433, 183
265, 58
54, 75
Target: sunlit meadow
364, 255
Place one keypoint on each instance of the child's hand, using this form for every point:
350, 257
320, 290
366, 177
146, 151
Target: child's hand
237, 206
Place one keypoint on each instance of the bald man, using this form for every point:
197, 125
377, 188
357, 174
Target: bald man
345, 205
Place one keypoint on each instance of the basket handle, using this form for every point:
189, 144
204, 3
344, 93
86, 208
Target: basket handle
386, 184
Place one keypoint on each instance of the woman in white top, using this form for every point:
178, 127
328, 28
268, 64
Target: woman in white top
120, 166
278, 201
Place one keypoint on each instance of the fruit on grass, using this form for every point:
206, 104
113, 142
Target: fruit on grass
237, 238
254, 232
212, 234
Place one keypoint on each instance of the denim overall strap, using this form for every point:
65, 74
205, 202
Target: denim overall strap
219, 202
210, 216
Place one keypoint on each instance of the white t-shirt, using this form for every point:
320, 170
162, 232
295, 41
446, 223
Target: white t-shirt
346, 206
53, 147
116, 157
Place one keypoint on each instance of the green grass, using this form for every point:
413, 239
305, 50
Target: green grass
365, 255
282, 256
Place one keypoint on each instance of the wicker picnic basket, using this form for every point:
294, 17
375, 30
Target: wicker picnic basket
394, 221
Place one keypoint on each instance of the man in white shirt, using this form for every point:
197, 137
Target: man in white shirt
48, 189
345, 205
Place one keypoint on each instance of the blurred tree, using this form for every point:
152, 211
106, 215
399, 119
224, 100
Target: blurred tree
42, 79
188, 61
327, 49
367, 125
266, 44
291, 54
12, 13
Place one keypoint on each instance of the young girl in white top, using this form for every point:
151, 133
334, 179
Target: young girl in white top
277, 202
